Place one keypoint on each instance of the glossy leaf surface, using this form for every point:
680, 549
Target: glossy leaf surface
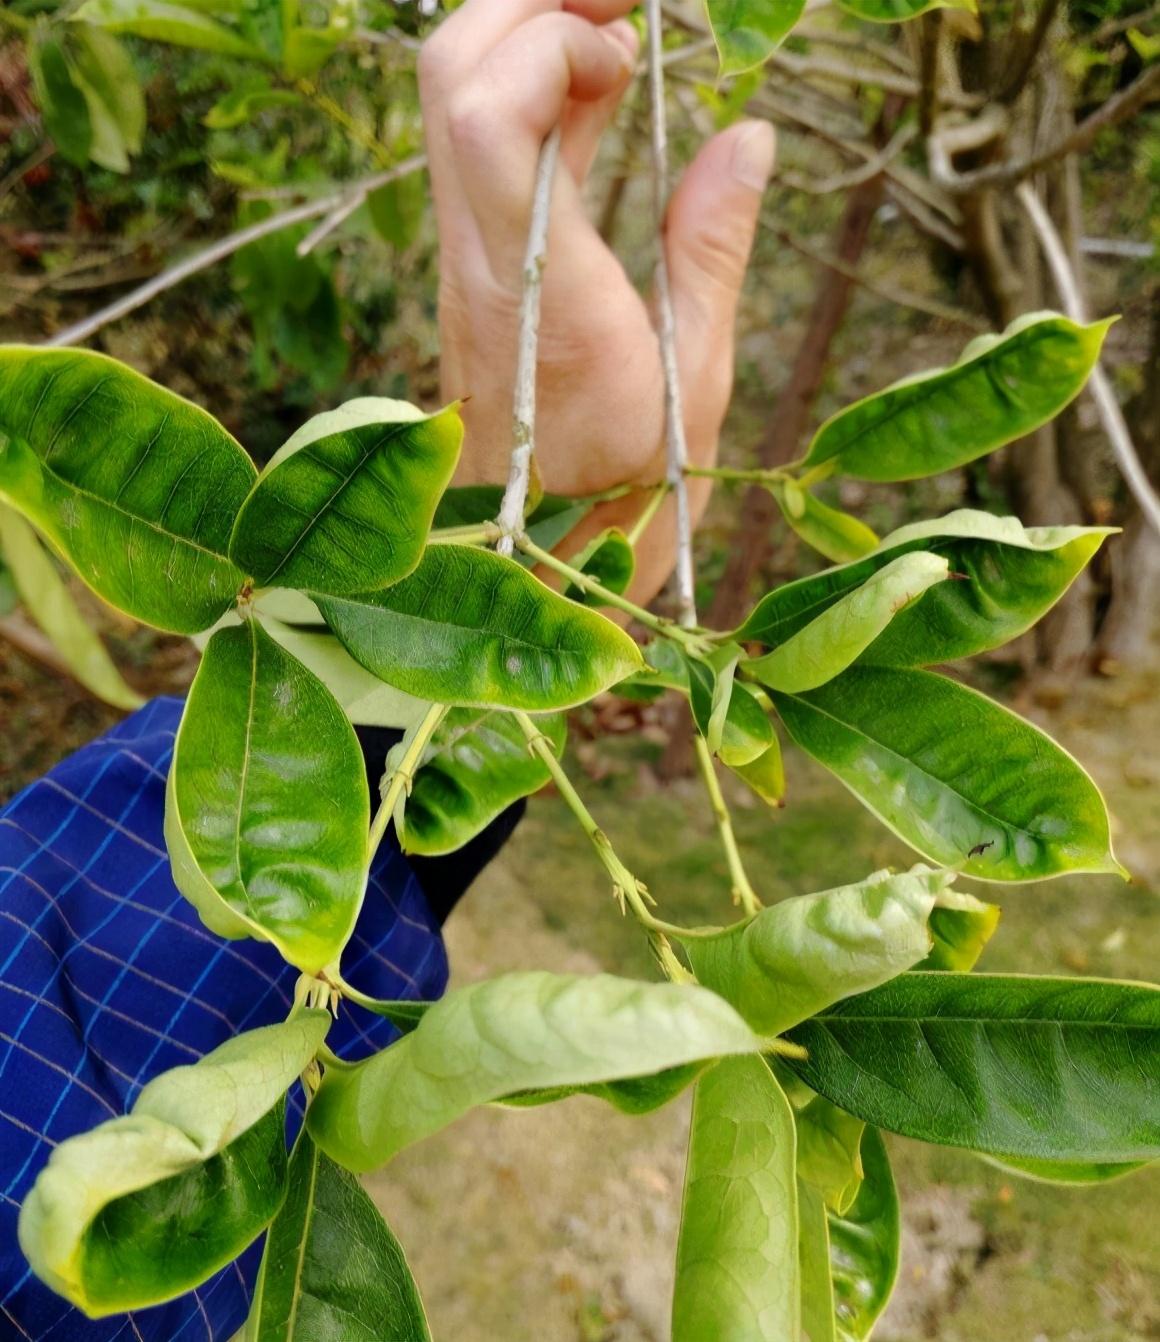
1046, 1068
331, 1268
833, 533
1010, 577
814, 1265
898, 11
519, 1032
829, 1152
864, 1245
632, 1095
137, 488
737, 1258
346, 504
363, 697
748, 32
145, 1207
960, 779
267, 810
51, 605
838, 636
609, 560
470, 628
478, 764
1073, 1173
961, 927
1002, 388
182, 25
793, 959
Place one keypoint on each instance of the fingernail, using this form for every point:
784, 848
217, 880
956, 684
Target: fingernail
753, 151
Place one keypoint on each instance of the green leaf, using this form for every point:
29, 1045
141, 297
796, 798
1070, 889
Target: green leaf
608, 559
834, 534
634, 1095
179, 25
1008, 576
737, 1257
364, 699
135, 487
104, 72
960, 779
1072, 1173
1002, 388
331, 1267
243, 104
62, 102
766, 774
961, 927
346, 504
748, 32
711, 688
1051, 1069
469, 627
844, 630
864, 1245
146, 1207
898, 11
519, 1032
829, 1157
51, 605
793, 959
814, 1265
397, 210
267, 811
477, 765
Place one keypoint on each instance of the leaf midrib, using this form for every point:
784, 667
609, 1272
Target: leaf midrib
943, 380
345, 483
174, 536
859, 731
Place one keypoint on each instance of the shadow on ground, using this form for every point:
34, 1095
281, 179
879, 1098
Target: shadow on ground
559, 1224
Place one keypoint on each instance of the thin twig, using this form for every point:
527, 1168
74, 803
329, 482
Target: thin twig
225, 247
843, 181
675, 445
400, 778
692, 642
630, 893
1118, 108
1112, 417
511, 512
903, 298
334, 220
743, 892
1114, 27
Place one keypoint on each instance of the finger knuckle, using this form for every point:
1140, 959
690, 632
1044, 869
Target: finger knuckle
434, 65
466, 122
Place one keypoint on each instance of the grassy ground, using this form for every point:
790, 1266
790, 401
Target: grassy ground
560, 1224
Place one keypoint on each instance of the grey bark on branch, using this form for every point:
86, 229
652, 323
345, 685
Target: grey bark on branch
227, 246
1108, 407
515, 498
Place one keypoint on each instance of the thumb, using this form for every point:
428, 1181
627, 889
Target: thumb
709, 232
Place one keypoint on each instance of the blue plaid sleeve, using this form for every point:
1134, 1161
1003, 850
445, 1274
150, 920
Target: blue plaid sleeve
107, 977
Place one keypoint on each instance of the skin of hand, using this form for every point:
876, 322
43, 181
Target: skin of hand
495, 78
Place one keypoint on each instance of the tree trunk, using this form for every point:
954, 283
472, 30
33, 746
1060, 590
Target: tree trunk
1126, 639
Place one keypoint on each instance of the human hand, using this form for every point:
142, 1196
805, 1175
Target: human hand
496, 77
